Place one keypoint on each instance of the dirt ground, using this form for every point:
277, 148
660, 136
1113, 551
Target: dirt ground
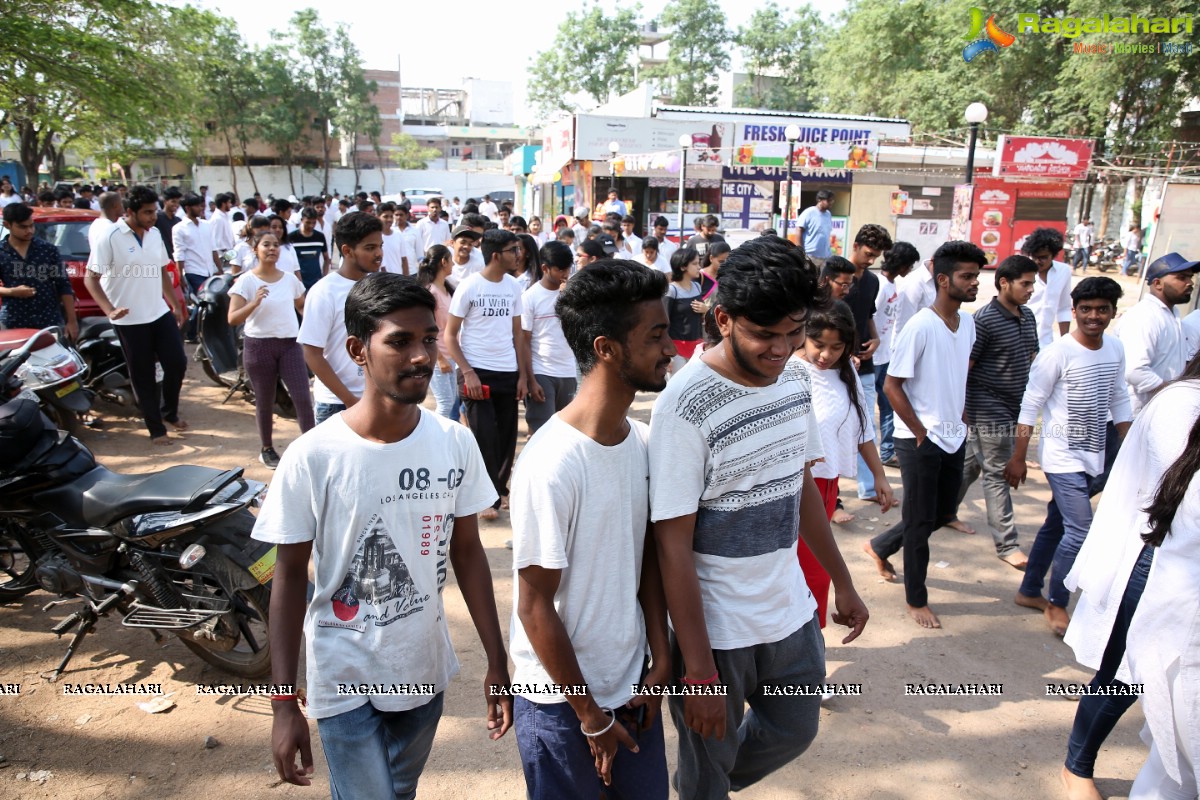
881, 744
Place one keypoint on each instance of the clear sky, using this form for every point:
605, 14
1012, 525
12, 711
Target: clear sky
440, 43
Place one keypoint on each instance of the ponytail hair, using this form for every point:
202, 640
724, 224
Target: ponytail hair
838, 317
1177, 478
431, 264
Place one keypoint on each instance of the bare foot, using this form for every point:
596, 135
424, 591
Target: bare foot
1079, 788
924, 617
886, 570
960, 526
841, 517
489, 514
179, 425
162, 441
504, 502
1036, 603
1016, 559
1057, 618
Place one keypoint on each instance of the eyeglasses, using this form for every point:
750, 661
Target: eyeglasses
843, 284
517, 249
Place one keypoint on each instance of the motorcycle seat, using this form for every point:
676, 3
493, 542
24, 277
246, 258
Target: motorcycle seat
101, 497
94, 327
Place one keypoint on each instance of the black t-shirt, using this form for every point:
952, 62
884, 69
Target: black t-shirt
702, 244
861, 300
309, 252
164, 225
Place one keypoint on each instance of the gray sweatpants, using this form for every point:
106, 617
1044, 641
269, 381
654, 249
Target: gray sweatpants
775, 729
989, 447
559, 392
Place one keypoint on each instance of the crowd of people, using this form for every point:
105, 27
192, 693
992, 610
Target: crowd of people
780, 369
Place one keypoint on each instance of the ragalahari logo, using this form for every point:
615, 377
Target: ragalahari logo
985, 37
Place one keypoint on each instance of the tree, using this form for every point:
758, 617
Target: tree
75, 64
411, 154
312, 50
590, 56
357, 115
781, 56
281, 113
697, 50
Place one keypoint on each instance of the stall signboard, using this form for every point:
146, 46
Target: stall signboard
746, 204
1043, 157
991, 221
649, 137
557, 147
960, 214
837, 236
823, 144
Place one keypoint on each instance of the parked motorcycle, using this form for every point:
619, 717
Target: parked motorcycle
108, 374
220, 349
1107, 255
168, 550
53, 373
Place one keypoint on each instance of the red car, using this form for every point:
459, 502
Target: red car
67, 229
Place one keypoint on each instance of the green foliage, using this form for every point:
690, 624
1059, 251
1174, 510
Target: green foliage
411, 154
697, 51
781, 56
591, 54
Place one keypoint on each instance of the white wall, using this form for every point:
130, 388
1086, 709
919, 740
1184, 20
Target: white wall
274, 180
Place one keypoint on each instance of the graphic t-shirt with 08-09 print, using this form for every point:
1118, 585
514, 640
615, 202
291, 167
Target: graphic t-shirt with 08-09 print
380, 517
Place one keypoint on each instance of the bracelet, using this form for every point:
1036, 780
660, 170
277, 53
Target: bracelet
612, 720
716, 676
283, 698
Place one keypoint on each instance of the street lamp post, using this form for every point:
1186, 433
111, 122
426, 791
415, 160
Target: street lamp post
685, 143
614, 147
975, 114
791, 133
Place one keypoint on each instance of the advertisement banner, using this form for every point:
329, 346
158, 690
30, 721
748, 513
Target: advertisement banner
822, 144
1043, 157
639, 138
992, 220
837, 236
960, 214
746, 204
739, 172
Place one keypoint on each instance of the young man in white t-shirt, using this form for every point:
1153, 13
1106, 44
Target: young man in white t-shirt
433, 229
409, 238
896, 265
731, 438
127, 277
485, 341
927, 387
339, 381
395, 251
1076, 383
580, 520
552, 364
384, 499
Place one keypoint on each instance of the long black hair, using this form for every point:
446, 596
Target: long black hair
431, 265
838, 317
1177, 478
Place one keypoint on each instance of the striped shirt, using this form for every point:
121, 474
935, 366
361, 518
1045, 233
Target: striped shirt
1005, 346
735, 456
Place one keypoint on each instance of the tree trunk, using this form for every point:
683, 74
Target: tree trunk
325, 150
232, 166
246, 161
32, 149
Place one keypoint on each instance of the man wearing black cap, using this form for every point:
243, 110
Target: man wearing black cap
1152, 332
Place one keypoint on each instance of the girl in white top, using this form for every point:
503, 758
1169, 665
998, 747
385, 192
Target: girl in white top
529, 267
288, 261
536, 231
266, 300
845, 423
435, 267
243, 252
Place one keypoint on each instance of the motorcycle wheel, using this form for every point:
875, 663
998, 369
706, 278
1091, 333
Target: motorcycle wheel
210, 371
250, 654
18, 557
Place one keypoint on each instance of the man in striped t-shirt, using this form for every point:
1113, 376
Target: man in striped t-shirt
1006, 342
731, 438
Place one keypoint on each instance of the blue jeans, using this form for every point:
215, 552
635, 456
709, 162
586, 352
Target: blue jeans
887, 426
558, 763
866, 481
1068, 517
323, 411
1098, 715
378, 754
444, 386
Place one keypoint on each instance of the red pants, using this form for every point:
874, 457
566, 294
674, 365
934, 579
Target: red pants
814, 574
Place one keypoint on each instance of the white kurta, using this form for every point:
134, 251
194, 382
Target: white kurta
1163, 645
